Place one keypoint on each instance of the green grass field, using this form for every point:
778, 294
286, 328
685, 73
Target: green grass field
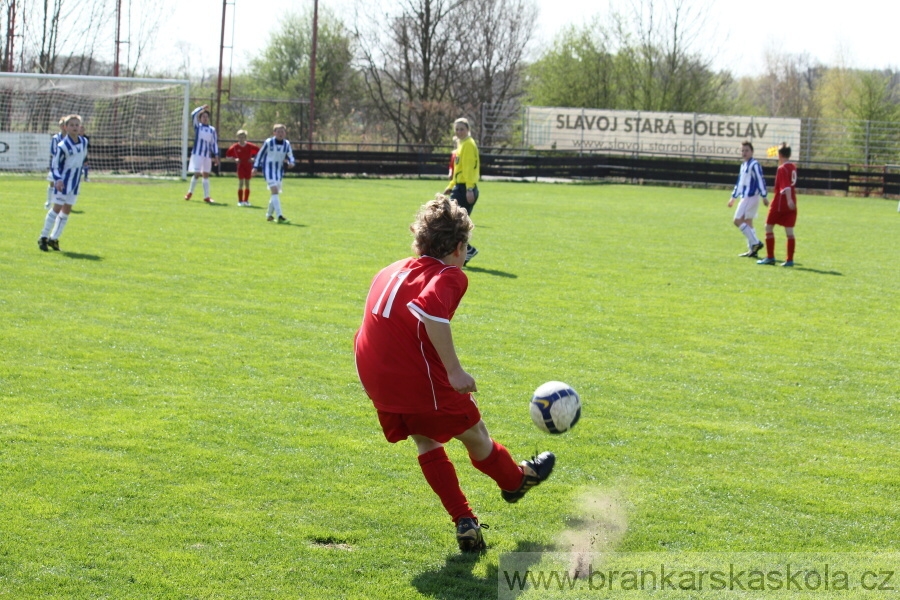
180, 415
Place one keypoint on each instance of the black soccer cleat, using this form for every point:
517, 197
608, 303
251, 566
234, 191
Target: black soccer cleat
53, 244
471, 251
42, 244
468, 535
281, 219
534, 471
756, 248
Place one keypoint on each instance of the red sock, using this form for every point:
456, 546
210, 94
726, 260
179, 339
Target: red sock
501, 467
441, 476
240, 195
770, 245
246, 194
791, 243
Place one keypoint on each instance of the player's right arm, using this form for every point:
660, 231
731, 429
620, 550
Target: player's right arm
195, 115
442, 339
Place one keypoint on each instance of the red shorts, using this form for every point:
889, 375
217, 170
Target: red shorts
439, 426
244, 170
785, 218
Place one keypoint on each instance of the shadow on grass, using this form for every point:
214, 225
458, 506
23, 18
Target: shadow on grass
288, 224
797, 267
455, 580
79, 256
491, 272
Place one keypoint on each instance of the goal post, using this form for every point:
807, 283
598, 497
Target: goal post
136, 126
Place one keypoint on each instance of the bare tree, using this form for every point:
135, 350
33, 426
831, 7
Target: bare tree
662, 68
491, 63
788, 87
408, 58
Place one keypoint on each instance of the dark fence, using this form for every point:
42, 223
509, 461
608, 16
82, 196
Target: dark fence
854, 180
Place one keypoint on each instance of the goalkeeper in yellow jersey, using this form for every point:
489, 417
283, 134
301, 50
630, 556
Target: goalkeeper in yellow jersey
466, 171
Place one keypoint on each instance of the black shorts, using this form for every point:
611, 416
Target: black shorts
459, 194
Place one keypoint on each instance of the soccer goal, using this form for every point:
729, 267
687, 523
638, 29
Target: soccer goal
136, 126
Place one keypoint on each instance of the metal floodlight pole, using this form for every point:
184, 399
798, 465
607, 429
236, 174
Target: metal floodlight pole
118, 36
312, 74
221, 59
10, 37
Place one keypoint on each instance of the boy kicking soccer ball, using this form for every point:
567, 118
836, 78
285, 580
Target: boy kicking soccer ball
408, 365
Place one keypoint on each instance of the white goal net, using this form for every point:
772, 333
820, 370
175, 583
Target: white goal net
135, 126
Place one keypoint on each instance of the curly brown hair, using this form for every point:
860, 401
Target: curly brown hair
440, 226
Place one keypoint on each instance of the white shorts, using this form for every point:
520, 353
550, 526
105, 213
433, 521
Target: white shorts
61, 199
200, 164
50, 177
274, 184
747, 208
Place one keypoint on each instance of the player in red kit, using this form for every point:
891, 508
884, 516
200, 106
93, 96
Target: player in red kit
243, 152
783, 210
408, 366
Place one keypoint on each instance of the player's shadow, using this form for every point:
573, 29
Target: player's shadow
80, 256
456, 581
290, 225
797, 267
494, 272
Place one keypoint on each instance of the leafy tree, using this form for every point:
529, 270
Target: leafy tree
641, 61
579, 70
281, 72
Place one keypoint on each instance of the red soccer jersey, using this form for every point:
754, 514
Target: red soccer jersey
785, 177
397, 364
244, 155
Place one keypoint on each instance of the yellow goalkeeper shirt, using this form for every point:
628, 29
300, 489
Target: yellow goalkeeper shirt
467, 169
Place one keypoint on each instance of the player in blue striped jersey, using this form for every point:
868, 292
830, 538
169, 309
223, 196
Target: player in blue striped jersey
750, 187
66, 171
273, 153
54, 143
205, 153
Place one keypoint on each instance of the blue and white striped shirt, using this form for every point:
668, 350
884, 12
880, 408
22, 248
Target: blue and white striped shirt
206, 142
271, 157
68, 162
750, 181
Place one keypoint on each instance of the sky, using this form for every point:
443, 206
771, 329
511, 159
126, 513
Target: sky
737, 34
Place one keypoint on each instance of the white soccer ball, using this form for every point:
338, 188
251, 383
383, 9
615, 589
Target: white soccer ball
555, 407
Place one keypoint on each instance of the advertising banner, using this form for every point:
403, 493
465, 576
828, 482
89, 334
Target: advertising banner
24, 151
681, 134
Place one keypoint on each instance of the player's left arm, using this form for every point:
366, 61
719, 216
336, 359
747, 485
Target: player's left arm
442, 339
791, 191
761, 181
214, 147
289, 153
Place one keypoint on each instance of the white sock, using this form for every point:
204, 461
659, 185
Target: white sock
748, 232
193, 184
205, 187
50, 191
61, 220
48, 223
275, 204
